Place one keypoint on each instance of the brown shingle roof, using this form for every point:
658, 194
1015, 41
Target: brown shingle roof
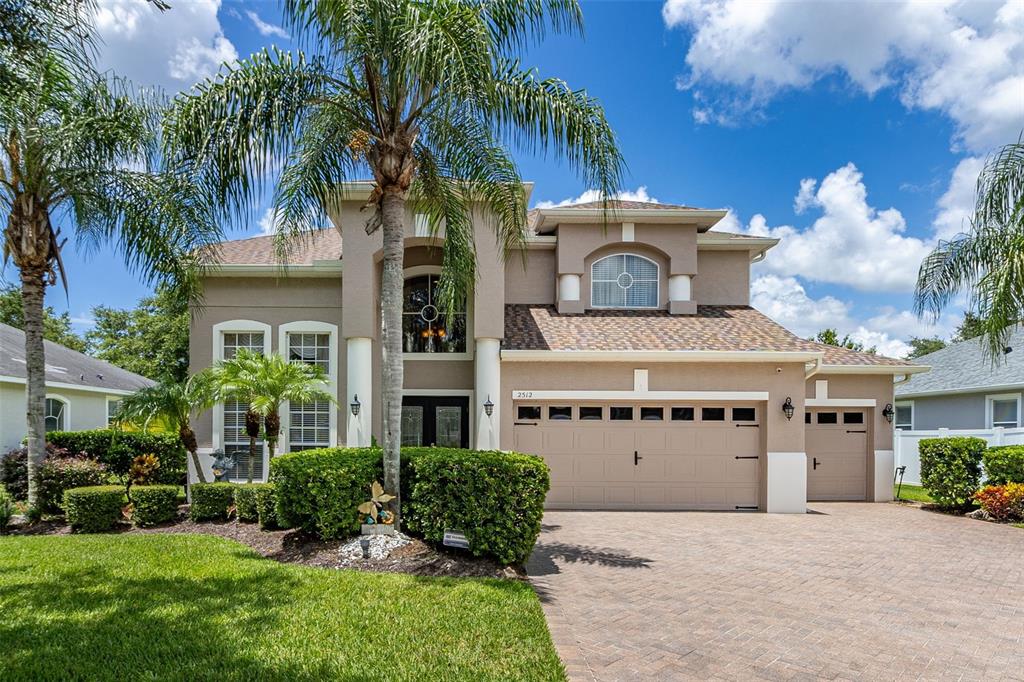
322, 244
713, 328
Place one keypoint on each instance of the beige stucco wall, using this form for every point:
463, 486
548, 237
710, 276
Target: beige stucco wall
273, 301
878, 387
531, 280
723, 278
84, 410
677, 243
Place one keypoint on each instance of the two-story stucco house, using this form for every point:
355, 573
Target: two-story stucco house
626, 354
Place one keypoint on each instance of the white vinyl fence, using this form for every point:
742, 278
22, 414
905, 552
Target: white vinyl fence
905, 444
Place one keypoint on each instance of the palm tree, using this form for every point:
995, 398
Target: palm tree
264, 382
175, 404
987, 262
428, 96
82, 149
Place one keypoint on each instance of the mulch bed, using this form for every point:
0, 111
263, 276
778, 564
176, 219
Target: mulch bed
298, 547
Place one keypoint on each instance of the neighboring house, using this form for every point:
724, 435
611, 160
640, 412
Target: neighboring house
965, 389
81, 391
626, 354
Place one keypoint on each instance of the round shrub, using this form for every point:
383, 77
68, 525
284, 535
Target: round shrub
211, 501
495, 498
247, 501
319, 490
57, 474
154, 504
1004, 464
1002, 502
94, 509
951, 469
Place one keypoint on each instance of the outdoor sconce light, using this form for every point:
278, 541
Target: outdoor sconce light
489, 407
355, 406
788, 408
888, 412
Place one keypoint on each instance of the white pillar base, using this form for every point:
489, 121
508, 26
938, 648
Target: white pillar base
359, 382
787, 483
885, 467
488, 387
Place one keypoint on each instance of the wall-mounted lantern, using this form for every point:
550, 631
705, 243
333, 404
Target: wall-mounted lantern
788, 408
355, 405
888, 412
488, 407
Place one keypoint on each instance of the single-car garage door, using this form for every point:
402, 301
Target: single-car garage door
837, 465
645, 456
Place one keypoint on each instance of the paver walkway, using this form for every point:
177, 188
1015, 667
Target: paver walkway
853, 591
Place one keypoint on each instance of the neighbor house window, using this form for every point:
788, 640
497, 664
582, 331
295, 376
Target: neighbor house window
55, 419
624, 281
112, 407
1004, 410
236, 441
425, 329
309, 424
904, 416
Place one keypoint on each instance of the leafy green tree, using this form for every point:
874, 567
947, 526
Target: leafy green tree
425, 96
175, 404
84, 146
920, 346
830, 337
969, 328
150, 339
56, 328
986, 262
264, 383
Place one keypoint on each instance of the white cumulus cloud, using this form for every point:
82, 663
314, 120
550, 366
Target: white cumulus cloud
639, 194
171, 49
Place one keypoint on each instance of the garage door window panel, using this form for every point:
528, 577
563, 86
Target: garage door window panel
560, 413
744, 414
682, 414
712, 414
620, 414
853, 417
589, 413
828, 417
652, 414
528, 412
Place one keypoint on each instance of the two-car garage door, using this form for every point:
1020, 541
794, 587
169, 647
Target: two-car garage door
645, 456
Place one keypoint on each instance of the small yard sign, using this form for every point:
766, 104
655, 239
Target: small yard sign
455, 538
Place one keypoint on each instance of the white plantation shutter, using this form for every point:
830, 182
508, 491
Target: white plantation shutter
624, 281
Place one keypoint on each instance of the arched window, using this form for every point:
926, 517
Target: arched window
425, 329
54, 415
624, 281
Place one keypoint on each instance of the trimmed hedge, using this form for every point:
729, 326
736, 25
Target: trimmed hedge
951, 469
246, 501
6, 510
211, 501
319, 490
117, 449
495, 498
1004, 464
14, 473
154, 504
266, 507
94, 509
57, 474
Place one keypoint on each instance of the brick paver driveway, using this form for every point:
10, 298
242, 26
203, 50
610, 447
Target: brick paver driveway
854, 591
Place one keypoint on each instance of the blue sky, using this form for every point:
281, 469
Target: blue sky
853, 131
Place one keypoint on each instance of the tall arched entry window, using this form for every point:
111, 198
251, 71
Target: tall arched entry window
624, 280
425, 328
55, 418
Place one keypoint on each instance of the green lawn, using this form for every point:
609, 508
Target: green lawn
161, 607
912, 492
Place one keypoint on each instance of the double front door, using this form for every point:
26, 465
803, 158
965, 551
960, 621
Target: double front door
435, 420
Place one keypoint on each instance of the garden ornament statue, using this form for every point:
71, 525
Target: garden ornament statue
222, 464
373, 510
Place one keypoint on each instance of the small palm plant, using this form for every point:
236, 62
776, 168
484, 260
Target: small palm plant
175, 404
265, 382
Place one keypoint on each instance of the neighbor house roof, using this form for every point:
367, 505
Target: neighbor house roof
319, 245
65, 367
965, 368
713, 328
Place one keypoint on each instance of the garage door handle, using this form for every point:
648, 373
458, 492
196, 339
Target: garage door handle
816, 463
525, 424
636, 458
849, 431
746, 457
751, 426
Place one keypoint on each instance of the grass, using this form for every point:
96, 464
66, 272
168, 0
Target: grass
161, 607
912, 492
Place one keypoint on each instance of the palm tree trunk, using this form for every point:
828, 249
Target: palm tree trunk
272, 427
33, 287
392, 225
252, 429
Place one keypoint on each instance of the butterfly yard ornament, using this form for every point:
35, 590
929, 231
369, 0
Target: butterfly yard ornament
376, 519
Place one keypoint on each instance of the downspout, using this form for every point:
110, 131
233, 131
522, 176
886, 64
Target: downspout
759, 257
813, 369
902, 380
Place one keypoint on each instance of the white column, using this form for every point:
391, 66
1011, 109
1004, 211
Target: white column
359, 382
569, 287
885, 467
488, 387
787, 483
679, 288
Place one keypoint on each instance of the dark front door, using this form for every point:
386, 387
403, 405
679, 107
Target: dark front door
435, 420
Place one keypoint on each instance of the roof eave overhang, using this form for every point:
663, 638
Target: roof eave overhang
893, 370
324, 268
704, 219
360, 190
656, 356
59, 385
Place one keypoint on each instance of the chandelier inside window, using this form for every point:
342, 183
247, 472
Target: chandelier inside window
425, 329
